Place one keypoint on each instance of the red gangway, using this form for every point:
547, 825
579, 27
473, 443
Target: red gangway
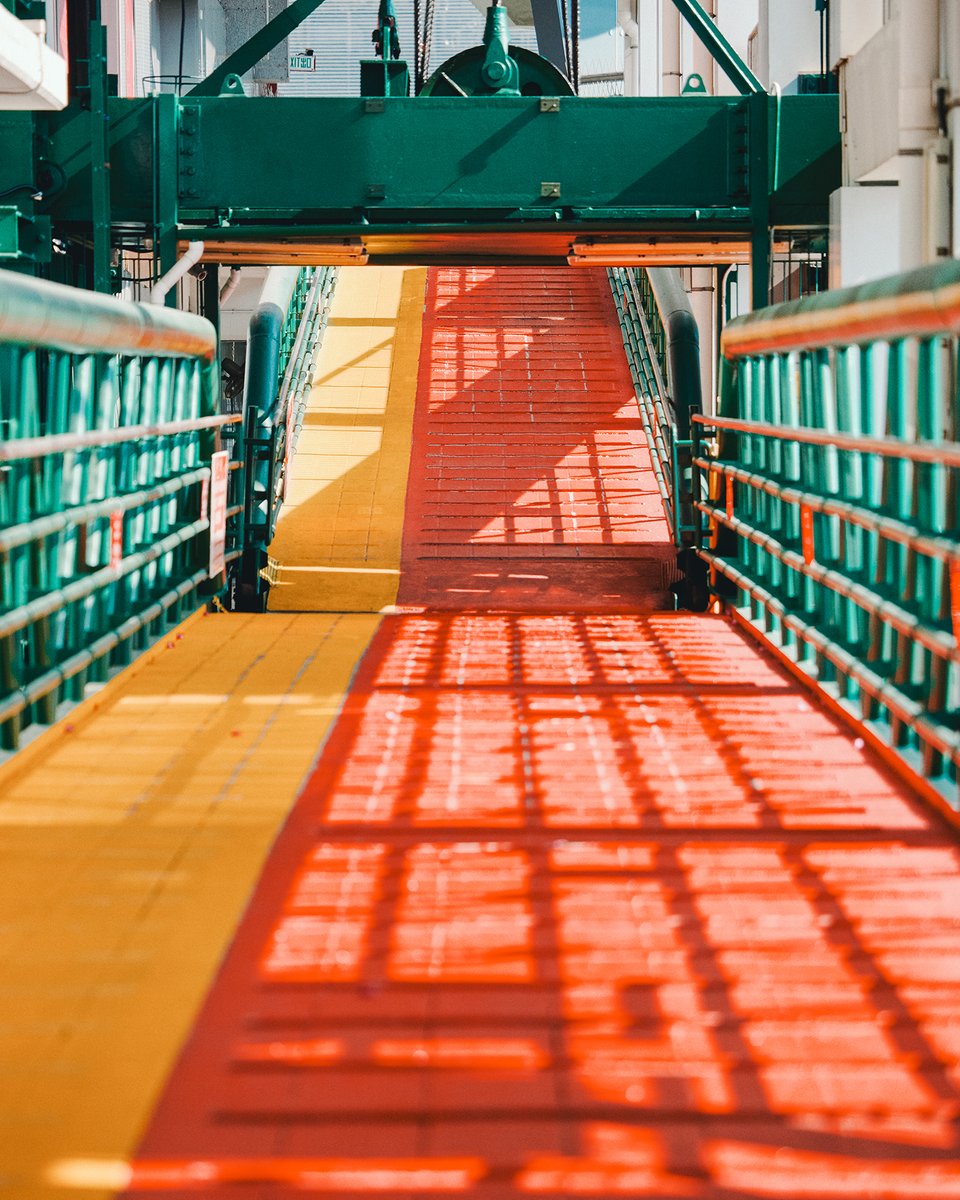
584, 897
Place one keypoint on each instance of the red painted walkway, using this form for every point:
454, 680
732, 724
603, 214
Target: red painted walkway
530, 483
577, 902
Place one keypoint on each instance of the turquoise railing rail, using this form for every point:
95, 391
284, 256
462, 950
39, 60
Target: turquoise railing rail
830, 480
286, 331
663, 349
109, 421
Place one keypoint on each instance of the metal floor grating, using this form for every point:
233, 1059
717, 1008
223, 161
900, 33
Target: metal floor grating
531, 480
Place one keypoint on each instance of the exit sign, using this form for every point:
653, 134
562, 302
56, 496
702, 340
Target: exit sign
302, 62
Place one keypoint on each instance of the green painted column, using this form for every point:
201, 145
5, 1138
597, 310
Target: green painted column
760, 185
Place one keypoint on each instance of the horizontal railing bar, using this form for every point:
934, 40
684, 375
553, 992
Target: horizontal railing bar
42, 527
946, 454
37, 688
942, 644
62, 443
38, 314
923, 303
79, 589
889, 527
901, 706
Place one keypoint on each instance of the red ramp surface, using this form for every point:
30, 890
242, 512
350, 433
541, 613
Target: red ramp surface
531, 482
580, 904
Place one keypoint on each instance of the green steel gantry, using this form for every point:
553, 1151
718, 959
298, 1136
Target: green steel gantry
497, 178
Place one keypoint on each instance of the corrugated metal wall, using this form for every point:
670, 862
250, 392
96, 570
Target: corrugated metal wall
339, 35
146, 64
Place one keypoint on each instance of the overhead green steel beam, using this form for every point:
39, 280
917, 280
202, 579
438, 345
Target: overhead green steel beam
250, 53
605, 158
727, 59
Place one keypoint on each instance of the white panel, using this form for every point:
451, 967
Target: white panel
852, 24
864, 241
32, 76
791, 35
871, 100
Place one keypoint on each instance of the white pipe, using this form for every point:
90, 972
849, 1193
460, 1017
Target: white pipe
233, 282
671, 78
703, 62
191, 256
701, 292
627, 20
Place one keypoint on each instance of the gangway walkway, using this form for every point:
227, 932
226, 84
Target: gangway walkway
584, 897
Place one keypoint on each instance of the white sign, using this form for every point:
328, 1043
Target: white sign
219, 475
302, 62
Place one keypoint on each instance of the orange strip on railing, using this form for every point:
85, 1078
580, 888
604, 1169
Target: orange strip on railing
813, 324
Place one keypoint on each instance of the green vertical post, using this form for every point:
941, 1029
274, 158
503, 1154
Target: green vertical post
167, 113
99, 155
760, 198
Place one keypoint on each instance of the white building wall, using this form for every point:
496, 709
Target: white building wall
890, 54
789, 41
737, 19
852, 24
863, 224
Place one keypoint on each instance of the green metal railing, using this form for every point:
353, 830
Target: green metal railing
663, 349
830, 481
109, 420
286, 332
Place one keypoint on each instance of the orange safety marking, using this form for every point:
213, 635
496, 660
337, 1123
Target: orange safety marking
806, 533
730, 484
955, 599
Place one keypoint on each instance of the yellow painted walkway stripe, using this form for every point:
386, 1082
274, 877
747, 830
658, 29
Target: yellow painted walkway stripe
128, 855
132, 840
339, 536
